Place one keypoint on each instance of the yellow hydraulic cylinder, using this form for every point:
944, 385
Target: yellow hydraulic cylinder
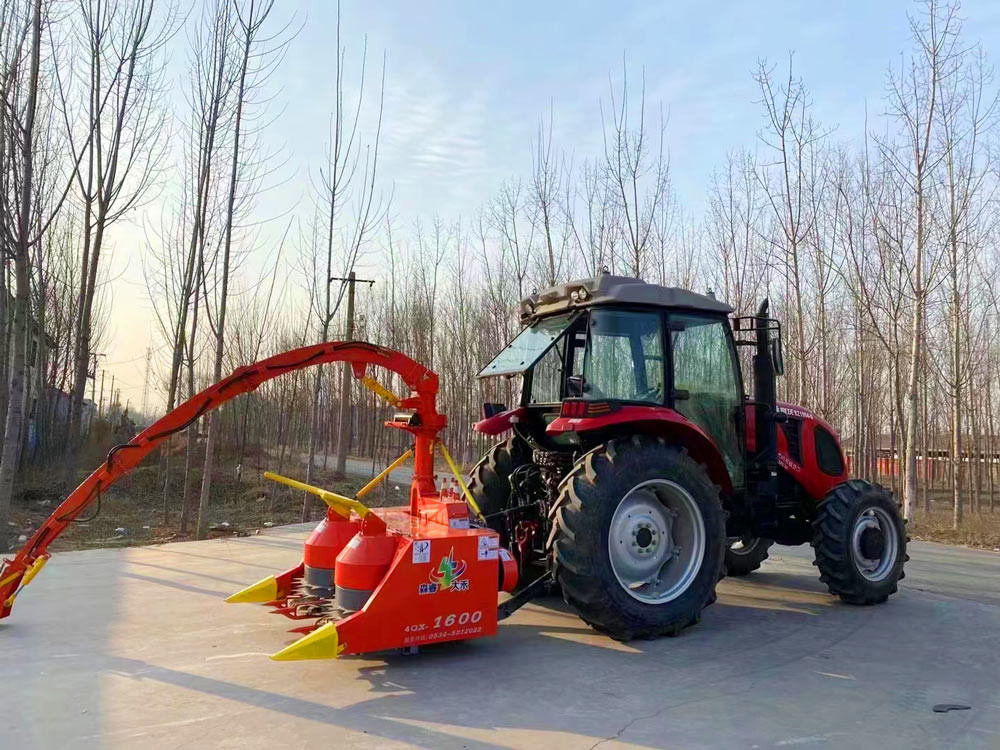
29, 575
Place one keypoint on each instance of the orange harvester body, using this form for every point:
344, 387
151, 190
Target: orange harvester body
370, 579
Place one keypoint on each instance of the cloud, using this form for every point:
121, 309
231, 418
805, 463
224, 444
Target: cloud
434, 133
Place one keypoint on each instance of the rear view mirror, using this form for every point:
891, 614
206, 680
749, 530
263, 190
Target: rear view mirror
575, 386
777, 358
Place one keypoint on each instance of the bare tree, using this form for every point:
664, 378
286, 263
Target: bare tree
211, 82
347, 181
123, 127
256, 59
791, 135
965, 114
914, 91
637, 166
546, 178
733, 228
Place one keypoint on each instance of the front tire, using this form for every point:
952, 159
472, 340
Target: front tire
639, 538
489, 481
745, 555
860, 542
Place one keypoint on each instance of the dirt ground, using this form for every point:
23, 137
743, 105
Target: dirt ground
132, 513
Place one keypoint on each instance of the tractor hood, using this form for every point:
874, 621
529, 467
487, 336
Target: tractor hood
607, 290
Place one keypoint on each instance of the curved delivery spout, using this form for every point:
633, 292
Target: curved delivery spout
424, 424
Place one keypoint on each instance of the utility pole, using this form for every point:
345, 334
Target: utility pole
344, 424
145, 381
92, 374
93, 380
100, 406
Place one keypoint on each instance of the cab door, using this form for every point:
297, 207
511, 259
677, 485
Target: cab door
706, 386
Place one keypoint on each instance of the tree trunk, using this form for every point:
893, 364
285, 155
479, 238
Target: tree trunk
220, 332
22, 282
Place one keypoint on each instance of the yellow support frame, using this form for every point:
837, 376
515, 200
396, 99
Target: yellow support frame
29, 575
339, 503
383, 474
461, 482
381, 391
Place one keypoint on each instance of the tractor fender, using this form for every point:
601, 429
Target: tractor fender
657, 421
500, 423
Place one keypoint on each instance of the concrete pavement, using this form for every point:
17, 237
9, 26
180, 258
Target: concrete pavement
135, 648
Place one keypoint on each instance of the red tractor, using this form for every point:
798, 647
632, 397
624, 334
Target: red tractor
638, 471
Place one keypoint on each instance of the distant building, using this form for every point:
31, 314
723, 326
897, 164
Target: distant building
933, 460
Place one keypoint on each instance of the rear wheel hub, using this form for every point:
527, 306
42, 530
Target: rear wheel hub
874, 544
656, 541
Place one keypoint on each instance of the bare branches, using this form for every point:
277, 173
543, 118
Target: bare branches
636, 164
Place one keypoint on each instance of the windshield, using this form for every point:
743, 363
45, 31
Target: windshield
527, 348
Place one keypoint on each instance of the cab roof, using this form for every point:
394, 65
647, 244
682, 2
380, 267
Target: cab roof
608, 290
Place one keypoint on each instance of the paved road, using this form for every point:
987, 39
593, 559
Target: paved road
134, 648
362, 468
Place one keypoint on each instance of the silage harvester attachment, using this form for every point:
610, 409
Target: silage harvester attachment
370, 579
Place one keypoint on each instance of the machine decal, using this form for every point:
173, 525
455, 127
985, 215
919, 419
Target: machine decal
488, 547
422, 552
449, 573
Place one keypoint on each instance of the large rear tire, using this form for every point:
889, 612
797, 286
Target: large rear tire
639, 538
489, 481
744, 556
860, 542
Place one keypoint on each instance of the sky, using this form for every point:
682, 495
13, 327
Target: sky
467, 82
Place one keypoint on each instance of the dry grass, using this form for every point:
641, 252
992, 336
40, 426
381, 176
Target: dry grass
981, 530
131, 511
976, 530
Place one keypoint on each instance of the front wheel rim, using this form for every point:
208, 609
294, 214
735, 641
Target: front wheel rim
656, 541
874, 544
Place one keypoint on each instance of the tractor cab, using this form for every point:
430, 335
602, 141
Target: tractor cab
618, 346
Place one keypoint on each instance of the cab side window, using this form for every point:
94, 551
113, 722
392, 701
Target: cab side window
706, 388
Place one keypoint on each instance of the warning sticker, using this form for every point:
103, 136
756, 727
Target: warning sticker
488, 546
421, 551
459, 523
